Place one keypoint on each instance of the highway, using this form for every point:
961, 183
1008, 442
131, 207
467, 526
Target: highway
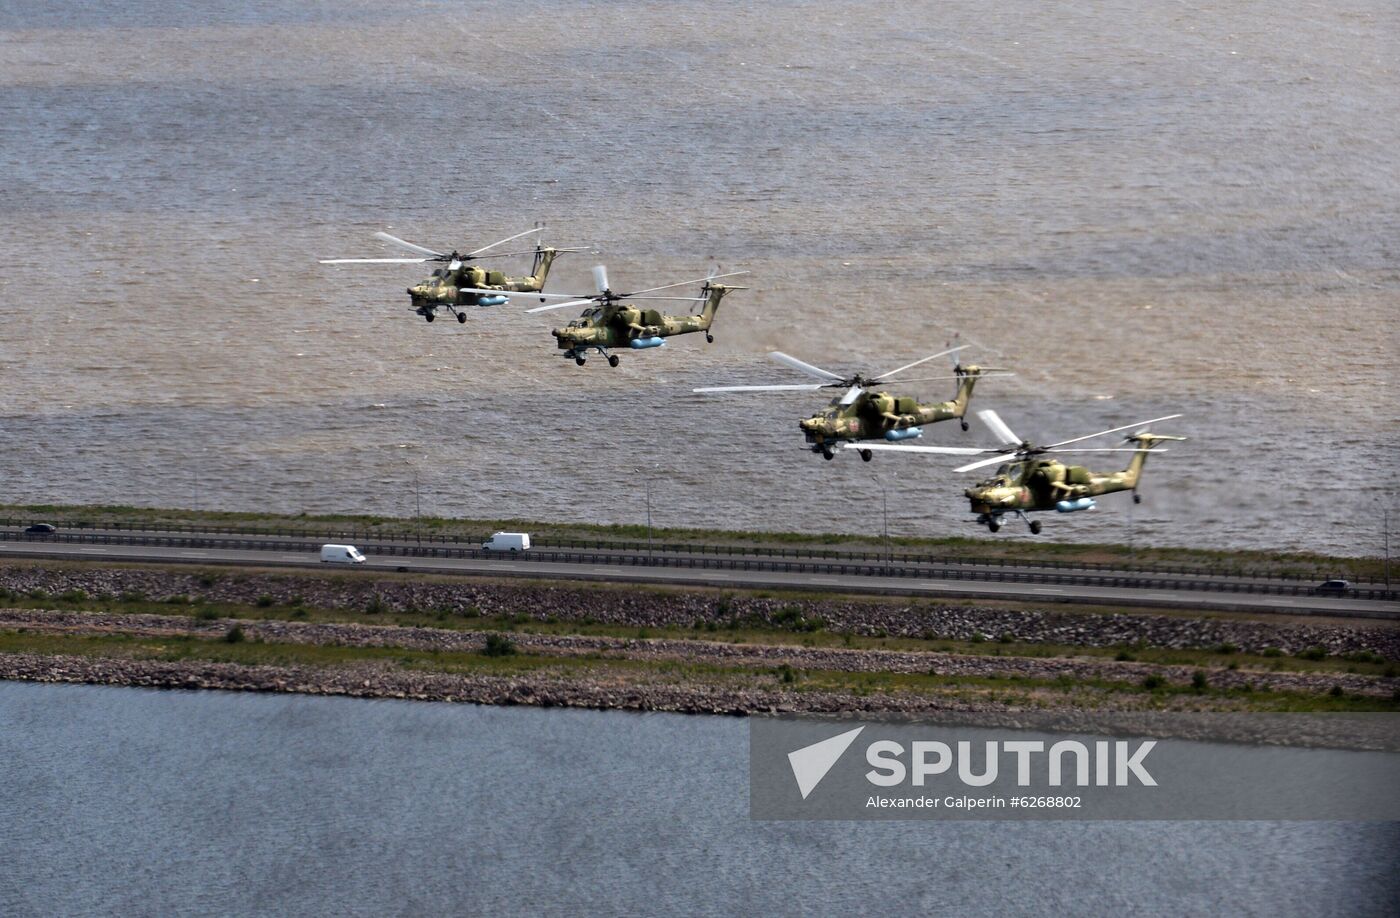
638, 571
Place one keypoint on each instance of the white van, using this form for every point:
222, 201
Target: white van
507, 541
341, 554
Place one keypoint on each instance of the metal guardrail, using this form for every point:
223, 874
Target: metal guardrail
357, 536
863, 567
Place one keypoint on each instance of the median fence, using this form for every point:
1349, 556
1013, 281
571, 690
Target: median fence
832, 555
897, 567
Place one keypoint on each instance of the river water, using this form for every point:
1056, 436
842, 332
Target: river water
136, 802
1141, 208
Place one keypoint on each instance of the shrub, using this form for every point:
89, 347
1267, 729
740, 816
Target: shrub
1198, 681
376, 605
786, 673
235, 634
73, 595
498, 645
1271, 652
1337, 691
1154, 682
977, 637
1316, 652
1005, 637
264, 601
206, 614
132, 596
1227, 648
1123, 656
40, 595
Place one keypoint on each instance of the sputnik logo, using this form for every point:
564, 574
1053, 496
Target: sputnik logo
811, 763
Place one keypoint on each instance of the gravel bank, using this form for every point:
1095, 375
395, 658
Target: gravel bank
758, 656
656, 608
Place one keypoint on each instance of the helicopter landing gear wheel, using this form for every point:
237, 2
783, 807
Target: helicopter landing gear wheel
866, 455
1137, 498
993, 525
709, 338
580, 360
1035, 527
965, 425
828, 454
462, 318
429, 317
612, 360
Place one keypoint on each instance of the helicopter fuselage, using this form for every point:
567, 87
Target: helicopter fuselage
449, 288
618, 325
878, 415
1041, 484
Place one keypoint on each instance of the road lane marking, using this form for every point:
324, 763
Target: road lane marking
98, 550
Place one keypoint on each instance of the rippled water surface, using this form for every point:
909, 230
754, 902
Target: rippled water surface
1141, 208
130, 801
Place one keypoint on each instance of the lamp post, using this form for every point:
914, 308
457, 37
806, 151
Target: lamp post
885, 515
646, 473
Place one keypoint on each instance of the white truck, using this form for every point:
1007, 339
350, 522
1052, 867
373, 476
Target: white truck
341, 554
507, 541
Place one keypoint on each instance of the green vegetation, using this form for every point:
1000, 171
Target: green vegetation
996, 690
786, 628
1299, 564
498, 645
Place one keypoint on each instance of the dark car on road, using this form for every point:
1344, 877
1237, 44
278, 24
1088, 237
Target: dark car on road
1332, 588
41, 529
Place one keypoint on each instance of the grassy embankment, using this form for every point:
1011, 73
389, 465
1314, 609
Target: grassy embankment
228, 644
1296, 564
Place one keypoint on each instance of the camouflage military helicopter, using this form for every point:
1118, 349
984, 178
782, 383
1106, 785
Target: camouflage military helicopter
609, 322
448, 287
864, 412
1029, 479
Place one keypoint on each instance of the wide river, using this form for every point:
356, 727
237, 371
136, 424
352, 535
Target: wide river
140, 802
1139, 207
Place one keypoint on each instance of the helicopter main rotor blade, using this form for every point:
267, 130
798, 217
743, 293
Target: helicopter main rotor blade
405, 244
503, 241
936, 378
501, 254
910, 366
684, 283
1105, 449
374, 261
1113, 430
677, 299
806, 387
998, 428
851, 395
980, 463
600, 278
805, 367
559, 305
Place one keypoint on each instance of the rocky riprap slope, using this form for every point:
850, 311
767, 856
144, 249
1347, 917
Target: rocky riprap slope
655, 608
751, 656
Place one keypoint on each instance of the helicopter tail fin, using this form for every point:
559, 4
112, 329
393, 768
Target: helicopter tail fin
1145, 442
713, 294
970, 375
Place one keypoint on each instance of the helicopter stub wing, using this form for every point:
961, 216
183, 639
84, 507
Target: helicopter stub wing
895, 448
